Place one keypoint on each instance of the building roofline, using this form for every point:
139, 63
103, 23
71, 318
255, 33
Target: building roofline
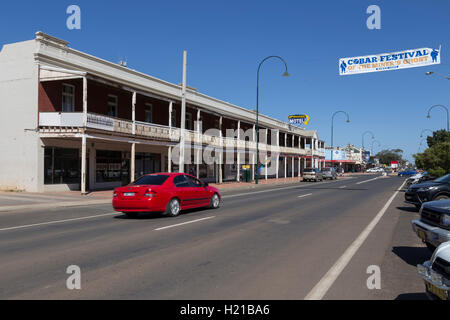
56, 52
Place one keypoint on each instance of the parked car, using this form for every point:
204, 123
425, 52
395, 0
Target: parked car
329, 173
437, 189
312, 174
372, 170
165, 192
408, 172
416, 178
433, 227
436, 273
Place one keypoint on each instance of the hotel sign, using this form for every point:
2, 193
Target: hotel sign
390, 61
299, 119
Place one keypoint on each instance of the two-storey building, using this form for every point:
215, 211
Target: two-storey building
73, 121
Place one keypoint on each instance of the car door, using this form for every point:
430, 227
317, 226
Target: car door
183, 190
200, 195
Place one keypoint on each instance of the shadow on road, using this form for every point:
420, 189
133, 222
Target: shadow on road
158, 215
412, 255
408, 209
413, 296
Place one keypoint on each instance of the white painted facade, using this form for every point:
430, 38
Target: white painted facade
25, 131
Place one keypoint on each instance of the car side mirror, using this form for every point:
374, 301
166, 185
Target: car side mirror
205, 184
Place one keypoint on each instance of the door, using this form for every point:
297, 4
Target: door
184, 190
200, 195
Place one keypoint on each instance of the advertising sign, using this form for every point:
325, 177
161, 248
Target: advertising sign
299, 119
390, 61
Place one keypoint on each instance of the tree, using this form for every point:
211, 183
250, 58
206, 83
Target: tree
387, 156
435, 159
438, 137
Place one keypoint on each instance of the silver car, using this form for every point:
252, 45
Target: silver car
329, 173
312, 174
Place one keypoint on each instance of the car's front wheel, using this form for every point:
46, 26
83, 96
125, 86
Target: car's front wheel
173, 208
441, 197
215, 201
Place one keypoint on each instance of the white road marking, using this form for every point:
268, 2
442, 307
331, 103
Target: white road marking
275, 189
342, 187
57, 221
367, 180
183, 223
305, 195
322, 287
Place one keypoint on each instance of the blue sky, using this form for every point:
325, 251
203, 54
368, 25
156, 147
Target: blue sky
226, 40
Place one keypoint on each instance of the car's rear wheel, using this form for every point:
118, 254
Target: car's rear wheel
215, 201
173, 208
441, 197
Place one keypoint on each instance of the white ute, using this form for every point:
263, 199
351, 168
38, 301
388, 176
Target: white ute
436, 272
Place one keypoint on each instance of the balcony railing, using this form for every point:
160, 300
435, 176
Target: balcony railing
59, 121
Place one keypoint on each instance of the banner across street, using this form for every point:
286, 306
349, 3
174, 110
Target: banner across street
389, 61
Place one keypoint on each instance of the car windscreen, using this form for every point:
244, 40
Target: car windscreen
445, 178
154, 180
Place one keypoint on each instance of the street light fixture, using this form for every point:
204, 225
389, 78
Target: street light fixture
332, 129
368, 131
442, 106
285, 74
441, 75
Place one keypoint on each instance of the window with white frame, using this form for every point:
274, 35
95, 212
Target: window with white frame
68, 98
112, 106
188, 121
148, 113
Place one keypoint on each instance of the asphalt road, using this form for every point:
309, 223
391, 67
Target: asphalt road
267, 243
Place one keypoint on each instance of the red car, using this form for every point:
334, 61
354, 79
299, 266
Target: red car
165, 192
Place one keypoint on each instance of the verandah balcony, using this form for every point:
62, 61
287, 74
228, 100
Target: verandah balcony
64, 122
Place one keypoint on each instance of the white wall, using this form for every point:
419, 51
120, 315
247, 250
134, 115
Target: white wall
21, 157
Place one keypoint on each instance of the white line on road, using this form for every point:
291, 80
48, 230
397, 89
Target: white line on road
305, 195
367, 180
322, 287
342, 187
57, 221
183, 223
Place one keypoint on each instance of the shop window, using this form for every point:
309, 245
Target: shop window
113, 108
68, 98
61, 166
111, 166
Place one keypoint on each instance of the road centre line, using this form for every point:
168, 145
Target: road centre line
322, 287
183, 223
57, 221
305, 195
367, 180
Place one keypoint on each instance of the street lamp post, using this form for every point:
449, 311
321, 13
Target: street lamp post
379, 144
442, 106
368, 131
285, 74
332, 130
